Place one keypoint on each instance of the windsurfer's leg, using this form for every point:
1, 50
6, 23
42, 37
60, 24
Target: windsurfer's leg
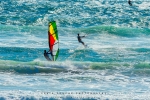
48, 57
82, 42
44, 51
130, 3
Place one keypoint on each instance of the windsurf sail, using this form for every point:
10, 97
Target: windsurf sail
53, 40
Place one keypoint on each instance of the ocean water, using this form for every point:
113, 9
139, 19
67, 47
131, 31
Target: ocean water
114, 65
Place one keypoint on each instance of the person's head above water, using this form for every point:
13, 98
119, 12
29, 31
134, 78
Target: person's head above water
78, 34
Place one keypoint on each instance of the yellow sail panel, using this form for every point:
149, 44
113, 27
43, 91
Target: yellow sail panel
52, 31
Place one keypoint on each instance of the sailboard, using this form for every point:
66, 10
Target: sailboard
53, 40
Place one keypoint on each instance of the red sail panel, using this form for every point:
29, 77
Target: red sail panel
51, 41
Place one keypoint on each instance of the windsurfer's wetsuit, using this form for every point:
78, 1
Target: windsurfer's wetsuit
129, 2
46, 55
79, 39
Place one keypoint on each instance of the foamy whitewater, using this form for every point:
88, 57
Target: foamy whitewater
114, 65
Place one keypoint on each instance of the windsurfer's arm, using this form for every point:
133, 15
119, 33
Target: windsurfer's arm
82, 36
49, 52
46, 56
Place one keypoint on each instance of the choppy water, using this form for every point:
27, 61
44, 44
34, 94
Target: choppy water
115, 65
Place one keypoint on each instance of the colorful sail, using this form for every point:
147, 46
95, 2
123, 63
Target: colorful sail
53, 40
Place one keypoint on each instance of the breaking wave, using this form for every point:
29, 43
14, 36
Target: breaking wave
35, 67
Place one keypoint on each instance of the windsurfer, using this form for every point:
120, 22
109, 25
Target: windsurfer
129, 2
46, 55
79, 39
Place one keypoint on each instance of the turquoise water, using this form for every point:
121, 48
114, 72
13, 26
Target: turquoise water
114, 65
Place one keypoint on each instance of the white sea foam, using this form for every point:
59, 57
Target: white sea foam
144, 5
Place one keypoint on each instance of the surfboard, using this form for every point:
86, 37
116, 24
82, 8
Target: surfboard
53, 40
